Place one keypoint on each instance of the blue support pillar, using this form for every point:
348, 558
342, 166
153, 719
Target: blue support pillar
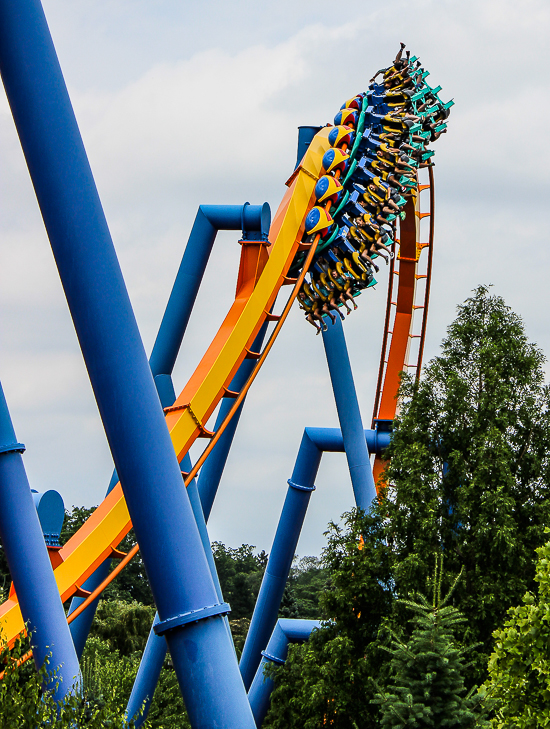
347, 405
208, 221
305, 138
315, 441
147, 677
189, 610
155, 650
285, 631
30, 566
280, 558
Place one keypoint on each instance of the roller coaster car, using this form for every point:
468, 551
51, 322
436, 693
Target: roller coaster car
341, 135
328, 189
335, 159
347, 117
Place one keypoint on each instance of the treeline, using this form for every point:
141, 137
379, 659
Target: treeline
124, 617
439, 610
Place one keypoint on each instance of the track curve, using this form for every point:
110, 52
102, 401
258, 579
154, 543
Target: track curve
259, 283
264, 270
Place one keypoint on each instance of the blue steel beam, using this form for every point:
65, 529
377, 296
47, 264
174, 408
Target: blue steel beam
155, 649
301, 485
285, 631
209, 220
349, 415
30, 566
150, 475
305, 138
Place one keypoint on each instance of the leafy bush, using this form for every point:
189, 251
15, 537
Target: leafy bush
519, 667
26, 705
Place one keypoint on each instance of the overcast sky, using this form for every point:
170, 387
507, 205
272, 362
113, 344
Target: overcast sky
181, 104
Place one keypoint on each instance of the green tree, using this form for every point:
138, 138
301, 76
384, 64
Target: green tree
469, 469
25, 705
240, 573
519, 667
468, 478
326, 682
307, 581
124, 625
426, 686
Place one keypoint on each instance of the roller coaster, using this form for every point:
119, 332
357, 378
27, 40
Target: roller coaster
362, 190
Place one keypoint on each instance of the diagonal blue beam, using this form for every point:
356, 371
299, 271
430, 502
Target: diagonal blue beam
315, 441
209, 220
30, 566
150, 475
285, 631
349, 415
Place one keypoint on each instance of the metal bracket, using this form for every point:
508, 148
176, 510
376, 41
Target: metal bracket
193, 616
12, 448
274, 659
299, 487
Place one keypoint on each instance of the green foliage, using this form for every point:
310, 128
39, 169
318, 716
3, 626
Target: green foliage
107, 676
25, 705
426, 686
239, 630
307, 581
469, 470
327, 680
519, 667
240, 573
124, 625
469, 478
167, 708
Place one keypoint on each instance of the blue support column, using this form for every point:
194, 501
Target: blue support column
189, 610
315, 441
155, 650
349, 414
147, 677
280, 558
208, 221
285, 631
30, 566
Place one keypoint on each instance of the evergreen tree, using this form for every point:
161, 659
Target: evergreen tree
426, 689
468, 478
469, 470
327, 681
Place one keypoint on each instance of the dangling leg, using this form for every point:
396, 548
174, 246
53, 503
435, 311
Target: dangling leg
313, 323
342, 298
334, 306
327, 311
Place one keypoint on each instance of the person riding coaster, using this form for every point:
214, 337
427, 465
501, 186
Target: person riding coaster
367, 178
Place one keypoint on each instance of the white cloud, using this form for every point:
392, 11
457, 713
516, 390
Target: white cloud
214, 121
